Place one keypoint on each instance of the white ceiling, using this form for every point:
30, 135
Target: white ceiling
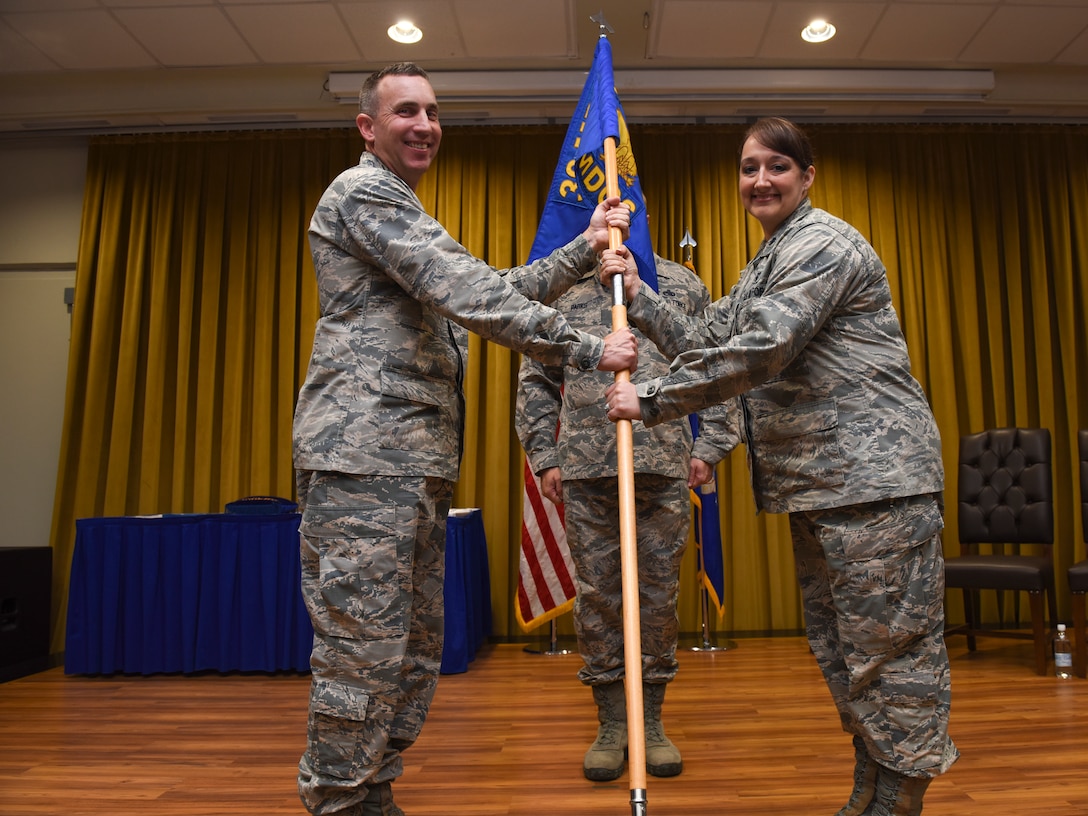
104, 65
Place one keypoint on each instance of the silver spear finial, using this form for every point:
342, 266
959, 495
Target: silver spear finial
599, 19
687, 244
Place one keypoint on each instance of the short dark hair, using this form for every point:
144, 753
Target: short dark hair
366, 93
781, 136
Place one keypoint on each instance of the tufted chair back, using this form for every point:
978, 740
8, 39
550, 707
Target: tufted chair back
1005, 503
1005, 492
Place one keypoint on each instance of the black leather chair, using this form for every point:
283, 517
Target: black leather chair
1078, 573
1006, 524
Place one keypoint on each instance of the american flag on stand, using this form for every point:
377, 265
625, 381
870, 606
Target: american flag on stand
545, 574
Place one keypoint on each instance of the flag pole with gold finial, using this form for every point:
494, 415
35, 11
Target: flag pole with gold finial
632, 630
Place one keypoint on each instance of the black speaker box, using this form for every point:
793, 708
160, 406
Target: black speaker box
26, 578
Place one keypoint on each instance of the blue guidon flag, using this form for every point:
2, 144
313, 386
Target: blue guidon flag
579, 183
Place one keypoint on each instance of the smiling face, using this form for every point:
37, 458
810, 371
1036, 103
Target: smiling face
402, 127
772, 184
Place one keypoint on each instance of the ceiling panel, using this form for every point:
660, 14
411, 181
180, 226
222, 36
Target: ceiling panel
218, 41
853, 22
368, 23
503, 30
123, 4
54, 5
1076, 53
1026, 34
86, 40
945, 29
295, 33
1077, 3
17, 53
704, 29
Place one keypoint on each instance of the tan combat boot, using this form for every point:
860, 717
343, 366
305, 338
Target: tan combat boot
898, 795
662, 757
604, 759
865, 772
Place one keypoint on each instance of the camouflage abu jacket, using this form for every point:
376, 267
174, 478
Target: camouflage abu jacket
586, 445
382, 394
809, 337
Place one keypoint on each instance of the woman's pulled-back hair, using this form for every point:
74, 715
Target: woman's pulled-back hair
781, 136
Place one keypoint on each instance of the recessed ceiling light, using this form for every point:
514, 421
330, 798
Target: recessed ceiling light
817, 31
405, 31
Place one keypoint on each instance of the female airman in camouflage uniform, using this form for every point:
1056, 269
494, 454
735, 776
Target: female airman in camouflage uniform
840, 436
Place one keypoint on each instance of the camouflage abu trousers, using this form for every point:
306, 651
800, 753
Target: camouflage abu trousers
872, 578
373, 563
663, 514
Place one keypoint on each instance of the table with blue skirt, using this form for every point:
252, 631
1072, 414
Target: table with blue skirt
220, 592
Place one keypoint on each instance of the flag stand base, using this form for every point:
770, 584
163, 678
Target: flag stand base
710, 646
547, 652
553, 644
707, 641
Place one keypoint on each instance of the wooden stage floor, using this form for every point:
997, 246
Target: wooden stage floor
755, 724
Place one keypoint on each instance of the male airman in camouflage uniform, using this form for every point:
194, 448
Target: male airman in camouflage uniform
840, 436
579, 469
378, 434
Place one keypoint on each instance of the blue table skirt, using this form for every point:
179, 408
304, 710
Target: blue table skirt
220, 592
467, 591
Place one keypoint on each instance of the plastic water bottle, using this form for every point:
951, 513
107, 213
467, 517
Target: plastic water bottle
1063, 654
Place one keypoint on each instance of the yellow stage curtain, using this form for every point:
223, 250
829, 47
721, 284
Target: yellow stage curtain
195, 308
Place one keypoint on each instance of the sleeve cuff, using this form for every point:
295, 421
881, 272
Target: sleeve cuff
646, 392
709, 452
589, 353
542, 460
